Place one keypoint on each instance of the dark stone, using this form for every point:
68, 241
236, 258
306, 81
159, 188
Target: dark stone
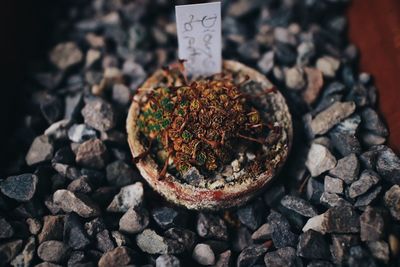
341, 244
388, 166
263, 233
312, 245
21, 187
320, 263
368, 197
367, 180
52, 108
120, 256
379, 250
26, 256
342, 219
167, 217
52, 251
224, 259
8, 251
76, 258
249, 50
92, 154
250, 255
251, 215
185, 237
314, 190
6, 230
359, 257
274, 194
64, 155
94, 227
81, 185
74, 233
285, 54
53, 227
73, 104
372, 122
241, 239
282, 257
120, 174
99, 114
211, 226
299, 206
41, 150
281, 235
392, 200
347, 169
372, 225
104, 242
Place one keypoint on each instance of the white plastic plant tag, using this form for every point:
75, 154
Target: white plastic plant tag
199, 37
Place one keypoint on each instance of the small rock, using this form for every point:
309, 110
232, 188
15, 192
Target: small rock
341, 245
379, 250
52, 251
72, 105
6, 230
121, 94
372, 122
250, 214
58, 130
150, 242
80, 185
79, 133
74, 233
120, 256
77, 258
41, 150
211, 226
282, 257
51, 108
295, 78
388, 165
92, 56
368, 197
314, 190
358, 256
367, 179
320, 263
104, 242
342, 219
167, 261
298, 205
224, 259
315, 82
120, 174
250, 255
347, 169
120, 239
47, 264
53, 227
99, 114
249, 50
371, 139
319, 160
333, 185
392, 201
65, 55
266, 63
134, 221
203, 254
241, 239
24, 259
331, 116
305, 51
285, 54
34, 225
78, 203
328, 66
193, 176
312, 245
167, 217
372, 225
263, 233
130, 196
92, 154
9, 250
183, 236
281, 234
21, 187
316, 223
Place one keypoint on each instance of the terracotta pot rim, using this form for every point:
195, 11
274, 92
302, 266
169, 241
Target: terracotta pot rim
199, 198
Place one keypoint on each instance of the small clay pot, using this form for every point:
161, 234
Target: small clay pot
200, 198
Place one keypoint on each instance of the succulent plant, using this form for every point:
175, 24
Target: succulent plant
197, 123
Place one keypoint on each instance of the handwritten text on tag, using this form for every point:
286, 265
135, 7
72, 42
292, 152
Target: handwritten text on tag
199, 37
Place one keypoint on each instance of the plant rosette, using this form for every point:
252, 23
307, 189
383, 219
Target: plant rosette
209, 143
